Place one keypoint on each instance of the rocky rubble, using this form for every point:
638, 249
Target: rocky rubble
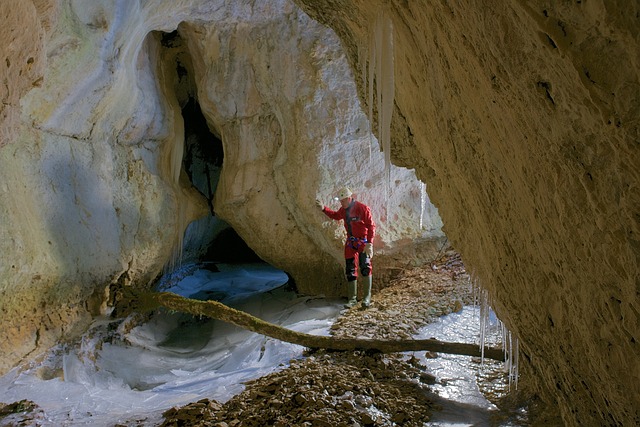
21, 413
410, 301
324, 389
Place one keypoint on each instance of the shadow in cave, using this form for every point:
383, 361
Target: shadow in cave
228, 247
215, 262
203, 153
209, 240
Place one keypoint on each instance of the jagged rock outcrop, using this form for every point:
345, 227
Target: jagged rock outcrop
94, 192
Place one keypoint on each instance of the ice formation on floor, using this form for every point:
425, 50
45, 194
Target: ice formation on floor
120, 372
114, 374
456, 390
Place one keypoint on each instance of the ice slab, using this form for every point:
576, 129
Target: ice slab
457, 390
172, 359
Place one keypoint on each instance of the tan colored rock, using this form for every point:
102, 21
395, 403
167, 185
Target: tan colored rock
92, 188
281, 95
522, 118
87, 199
23, 61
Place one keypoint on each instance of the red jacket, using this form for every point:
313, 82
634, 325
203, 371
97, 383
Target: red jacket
360, 223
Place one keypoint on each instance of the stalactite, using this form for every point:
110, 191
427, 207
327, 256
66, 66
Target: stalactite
381, 70
362, 64
423, 202
510, 343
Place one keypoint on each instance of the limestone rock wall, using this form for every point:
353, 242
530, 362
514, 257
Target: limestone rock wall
88, 193
92, 187
23, 59
281, 95
522, 118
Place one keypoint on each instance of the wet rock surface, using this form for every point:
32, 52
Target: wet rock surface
21, 413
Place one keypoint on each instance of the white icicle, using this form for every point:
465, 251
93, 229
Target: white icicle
484, 316
388, 91
423, 200
371, 72
515, 351
510, 343
381, 69
362, 63
507, 345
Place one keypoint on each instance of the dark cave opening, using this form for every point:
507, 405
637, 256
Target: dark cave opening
202, 162
203, 153
212, 240
228, 247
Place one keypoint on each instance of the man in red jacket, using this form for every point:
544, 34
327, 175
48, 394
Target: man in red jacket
358, 245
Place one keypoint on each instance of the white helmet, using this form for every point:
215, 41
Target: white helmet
344, 193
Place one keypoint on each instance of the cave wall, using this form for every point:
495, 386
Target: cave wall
93, 191
89, 190
278, 89
522, 118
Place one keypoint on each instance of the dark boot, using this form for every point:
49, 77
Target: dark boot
352, 292
366, 301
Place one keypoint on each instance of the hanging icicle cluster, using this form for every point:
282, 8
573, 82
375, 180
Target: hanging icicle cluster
509, 341
381, 70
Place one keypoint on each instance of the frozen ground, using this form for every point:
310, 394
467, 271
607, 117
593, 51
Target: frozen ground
130, 376
173, 359
457, 388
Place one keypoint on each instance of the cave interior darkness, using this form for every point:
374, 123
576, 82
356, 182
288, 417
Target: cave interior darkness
203, 158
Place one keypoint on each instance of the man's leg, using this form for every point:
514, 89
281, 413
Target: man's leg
352, 282
365, 269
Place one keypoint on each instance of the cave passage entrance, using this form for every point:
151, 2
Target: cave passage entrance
208, 241
202, 162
